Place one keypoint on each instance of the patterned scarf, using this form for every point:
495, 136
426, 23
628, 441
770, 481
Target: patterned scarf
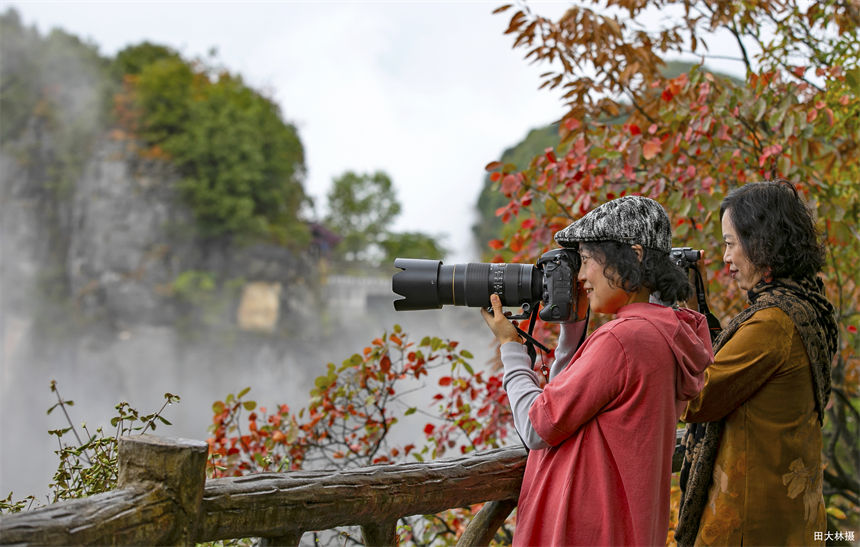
814, 318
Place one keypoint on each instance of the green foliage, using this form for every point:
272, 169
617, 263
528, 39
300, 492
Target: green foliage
88, 465
242, 166
205, 303
8, 505
133, 60
54, 104
361, 209
18, 94
164, 97
194, 286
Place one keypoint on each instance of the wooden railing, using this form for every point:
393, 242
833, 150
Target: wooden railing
163, 498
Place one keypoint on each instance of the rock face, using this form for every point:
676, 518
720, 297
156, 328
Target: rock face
132, 241
119, 240
120, 250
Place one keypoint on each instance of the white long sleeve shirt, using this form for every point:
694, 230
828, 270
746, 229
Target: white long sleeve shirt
521, 382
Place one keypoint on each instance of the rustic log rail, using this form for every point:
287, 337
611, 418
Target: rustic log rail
163, 498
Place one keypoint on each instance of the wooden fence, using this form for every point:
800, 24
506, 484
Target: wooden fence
163, 498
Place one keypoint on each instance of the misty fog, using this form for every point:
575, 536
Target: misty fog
140, 364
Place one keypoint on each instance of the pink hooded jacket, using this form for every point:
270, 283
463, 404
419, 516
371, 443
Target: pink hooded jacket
609, 419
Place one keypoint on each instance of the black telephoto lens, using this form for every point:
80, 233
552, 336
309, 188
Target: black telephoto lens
428, 284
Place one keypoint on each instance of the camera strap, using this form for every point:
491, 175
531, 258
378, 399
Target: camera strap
531, 341
713, 323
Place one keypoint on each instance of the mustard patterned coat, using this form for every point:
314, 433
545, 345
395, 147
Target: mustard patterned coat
767, 483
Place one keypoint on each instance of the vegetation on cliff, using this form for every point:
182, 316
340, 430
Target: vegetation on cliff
242, 165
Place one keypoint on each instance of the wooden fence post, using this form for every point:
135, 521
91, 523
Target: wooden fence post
177, 465
484, 525
382, 534
158, 501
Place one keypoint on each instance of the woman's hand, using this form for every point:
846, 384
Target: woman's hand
499, 323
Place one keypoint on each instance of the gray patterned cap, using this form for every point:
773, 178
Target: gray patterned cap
629, 219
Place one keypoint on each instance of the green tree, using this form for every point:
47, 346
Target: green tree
360, 209
164, 92
242, 165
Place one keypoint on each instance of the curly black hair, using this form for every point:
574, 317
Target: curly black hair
656, 271
775, 228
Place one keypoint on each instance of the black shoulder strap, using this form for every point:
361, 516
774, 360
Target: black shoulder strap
713, 323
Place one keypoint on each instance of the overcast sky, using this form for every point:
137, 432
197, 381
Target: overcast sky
428, 92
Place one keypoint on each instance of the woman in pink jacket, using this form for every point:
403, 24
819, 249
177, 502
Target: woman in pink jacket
601, 433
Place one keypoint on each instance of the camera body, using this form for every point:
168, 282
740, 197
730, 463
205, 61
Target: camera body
429, 284
559, 268
685, 257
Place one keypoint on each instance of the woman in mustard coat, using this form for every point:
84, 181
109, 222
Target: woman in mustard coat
753, 469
